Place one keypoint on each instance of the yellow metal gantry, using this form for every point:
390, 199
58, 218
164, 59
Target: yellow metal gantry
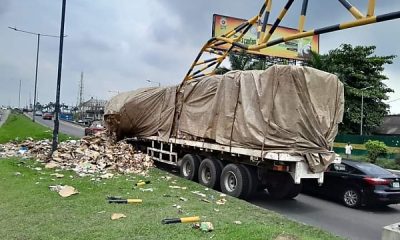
231, 40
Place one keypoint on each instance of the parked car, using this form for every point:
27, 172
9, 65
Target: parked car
38, 113
95, 127
47, 116
357, 183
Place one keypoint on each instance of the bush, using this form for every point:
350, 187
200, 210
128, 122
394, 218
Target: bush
397, 158
375, 149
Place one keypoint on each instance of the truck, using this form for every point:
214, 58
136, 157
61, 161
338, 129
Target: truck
238, 132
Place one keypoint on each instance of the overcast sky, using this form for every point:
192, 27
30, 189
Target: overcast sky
120, 44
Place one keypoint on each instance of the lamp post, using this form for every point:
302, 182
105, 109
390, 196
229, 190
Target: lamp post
362, 108
37, 61
159, 84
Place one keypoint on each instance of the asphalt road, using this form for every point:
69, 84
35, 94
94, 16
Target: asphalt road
356, 224
65, 127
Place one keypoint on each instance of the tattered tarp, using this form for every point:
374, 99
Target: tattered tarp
285, 108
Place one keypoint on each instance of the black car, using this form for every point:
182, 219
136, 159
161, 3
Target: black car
357, 183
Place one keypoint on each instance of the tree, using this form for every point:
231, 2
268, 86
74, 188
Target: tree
375, 149
358, 67
243, 61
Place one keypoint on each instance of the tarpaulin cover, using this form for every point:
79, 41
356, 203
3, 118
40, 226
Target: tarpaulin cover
285, 108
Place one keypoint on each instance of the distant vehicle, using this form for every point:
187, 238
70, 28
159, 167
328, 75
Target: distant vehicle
95, 127
38, 113
356, 184
47, 116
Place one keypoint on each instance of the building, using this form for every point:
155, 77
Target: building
93, 109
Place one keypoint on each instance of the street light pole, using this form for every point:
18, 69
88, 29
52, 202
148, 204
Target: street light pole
37, 62
362, 109
60, 57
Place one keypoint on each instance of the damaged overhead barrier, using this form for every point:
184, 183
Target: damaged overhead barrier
221, 46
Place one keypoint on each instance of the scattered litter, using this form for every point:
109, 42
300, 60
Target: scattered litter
147, 189
183, 199
17, 174
237, 222
166, 195
107, 176
205, 200
22, 150
221, 201
57, 175
199, 194
204, 226
177, 187
181, 220
206, 189
177, 206
141, 183
51, 165
101, 212
116, 216
216, 210
64, 191
38, 168
222, 195
120, 200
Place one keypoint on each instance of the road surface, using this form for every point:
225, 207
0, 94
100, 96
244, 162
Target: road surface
355, 224
65, 127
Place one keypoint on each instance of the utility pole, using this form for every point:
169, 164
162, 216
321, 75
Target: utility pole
362, 109
60, 56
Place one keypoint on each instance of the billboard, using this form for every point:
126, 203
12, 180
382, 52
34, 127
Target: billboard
294, 49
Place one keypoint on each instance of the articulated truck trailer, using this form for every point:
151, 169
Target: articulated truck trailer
238, 132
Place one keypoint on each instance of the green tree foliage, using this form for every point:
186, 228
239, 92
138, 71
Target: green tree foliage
358, 67
375, 149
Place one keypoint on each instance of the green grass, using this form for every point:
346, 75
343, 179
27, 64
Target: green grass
29, 210
18, 127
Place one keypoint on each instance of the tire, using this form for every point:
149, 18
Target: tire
351, 198
190, 166
296, 189
210, 172
253, 180
281, 186
234, 180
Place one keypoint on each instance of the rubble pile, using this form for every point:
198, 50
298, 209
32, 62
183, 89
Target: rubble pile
90, 155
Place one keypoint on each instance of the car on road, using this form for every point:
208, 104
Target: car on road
47, 116
356, 184
95, 127
38, 113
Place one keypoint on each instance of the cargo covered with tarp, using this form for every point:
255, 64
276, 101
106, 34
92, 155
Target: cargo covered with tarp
284, 108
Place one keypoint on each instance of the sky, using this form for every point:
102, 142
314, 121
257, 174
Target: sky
120, 44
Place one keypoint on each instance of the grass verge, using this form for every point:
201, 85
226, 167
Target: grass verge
31, 211
19, 127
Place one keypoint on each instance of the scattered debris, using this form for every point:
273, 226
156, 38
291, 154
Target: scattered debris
181, 220
90, 155
17, 174
57, 175
120, 200
199, 194
183, 199
177, 187
216, 210
101, 212
147, 189
116, 216
205, 200
177, 206
141, 183
204, 226
64, 191
237, 222
38, 168
286, 237
107, 176
221, 201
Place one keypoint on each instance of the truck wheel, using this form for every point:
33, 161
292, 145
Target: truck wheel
253, 180
296, 189
190, 166
280, 185
210, 172
234, 180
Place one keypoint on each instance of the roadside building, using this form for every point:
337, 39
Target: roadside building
93, 109
390, 126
